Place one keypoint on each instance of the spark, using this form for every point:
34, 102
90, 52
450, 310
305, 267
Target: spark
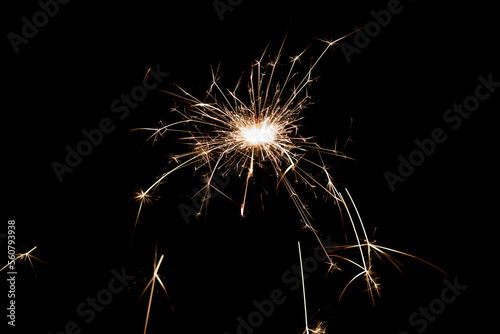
303, 289
152, 281
27, 256
320, 326
366, 250
141, 197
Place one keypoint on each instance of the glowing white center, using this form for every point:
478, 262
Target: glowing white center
258, 134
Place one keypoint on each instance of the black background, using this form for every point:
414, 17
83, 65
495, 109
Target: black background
395, 91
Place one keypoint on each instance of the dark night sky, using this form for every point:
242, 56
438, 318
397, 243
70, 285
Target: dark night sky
397, 88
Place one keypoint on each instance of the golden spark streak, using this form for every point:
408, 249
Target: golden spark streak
303, 289
152, 281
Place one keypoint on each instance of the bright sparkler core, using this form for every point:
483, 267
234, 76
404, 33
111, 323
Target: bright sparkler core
258, 134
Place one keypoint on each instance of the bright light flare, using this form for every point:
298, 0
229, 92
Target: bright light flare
258, 134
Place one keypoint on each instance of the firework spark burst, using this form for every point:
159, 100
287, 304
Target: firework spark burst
229, 130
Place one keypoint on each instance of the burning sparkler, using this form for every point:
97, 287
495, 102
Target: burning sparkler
231, 131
